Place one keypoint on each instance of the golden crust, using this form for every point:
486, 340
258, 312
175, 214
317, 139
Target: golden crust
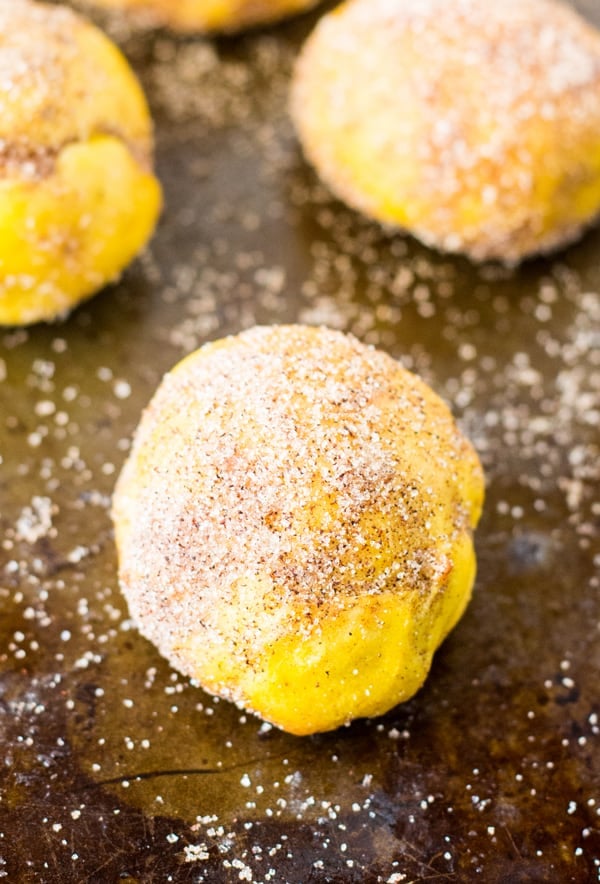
78, 196
205, 16
282, 482
63, 82
472, 125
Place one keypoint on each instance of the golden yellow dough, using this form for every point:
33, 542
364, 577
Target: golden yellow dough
473, 125
203, 16
294, 525
78, 198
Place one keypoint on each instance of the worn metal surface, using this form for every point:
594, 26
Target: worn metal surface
117, 769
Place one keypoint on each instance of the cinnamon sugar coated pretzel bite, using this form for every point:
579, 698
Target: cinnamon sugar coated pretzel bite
294, 525
205, 16
78, 198
473, 125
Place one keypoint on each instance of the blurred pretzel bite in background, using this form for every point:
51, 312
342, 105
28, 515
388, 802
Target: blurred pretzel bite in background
205, 16
78, 197
295, 525
473, 125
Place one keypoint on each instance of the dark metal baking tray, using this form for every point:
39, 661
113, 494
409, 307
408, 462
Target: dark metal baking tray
114, 767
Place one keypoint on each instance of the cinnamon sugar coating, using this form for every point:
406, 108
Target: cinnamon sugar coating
79, 198
472, 125
294, 524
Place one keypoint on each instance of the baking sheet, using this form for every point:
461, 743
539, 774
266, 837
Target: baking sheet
115, 767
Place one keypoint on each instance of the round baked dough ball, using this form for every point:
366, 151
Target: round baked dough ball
78, 198
294, 525
473, 125
204, 16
